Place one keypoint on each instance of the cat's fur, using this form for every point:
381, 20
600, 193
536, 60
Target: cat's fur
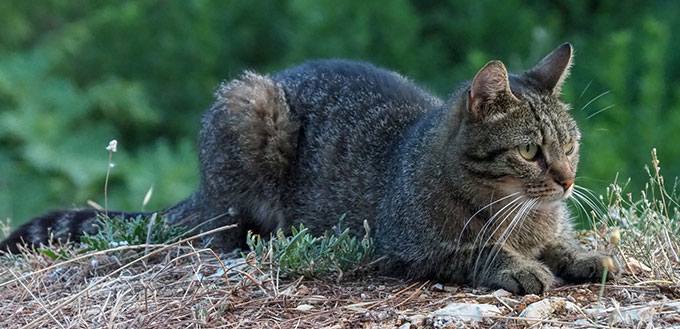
442, 183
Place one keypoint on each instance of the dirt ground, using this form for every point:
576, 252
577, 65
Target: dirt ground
182, 287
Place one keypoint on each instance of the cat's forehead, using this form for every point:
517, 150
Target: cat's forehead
545, 116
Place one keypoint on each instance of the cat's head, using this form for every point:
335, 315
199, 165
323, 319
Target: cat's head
518, 135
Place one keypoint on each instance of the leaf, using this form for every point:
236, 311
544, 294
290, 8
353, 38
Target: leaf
51, 254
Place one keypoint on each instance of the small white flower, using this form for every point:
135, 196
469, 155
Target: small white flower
111, 165
113, 144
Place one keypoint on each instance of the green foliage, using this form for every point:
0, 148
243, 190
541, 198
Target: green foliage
302, 254
115, 232
60, 254
74, 75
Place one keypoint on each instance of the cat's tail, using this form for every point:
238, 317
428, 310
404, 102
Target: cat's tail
64, 225
71, 224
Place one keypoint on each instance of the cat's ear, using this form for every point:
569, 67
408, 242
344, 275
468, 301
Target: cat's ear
551, 71
489, 86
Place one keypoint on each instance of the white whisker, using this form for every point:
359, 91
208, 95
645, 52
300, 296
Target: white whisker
500, 223
600, 111
519, 206
594, 99
482, 209
584, 89
518, 219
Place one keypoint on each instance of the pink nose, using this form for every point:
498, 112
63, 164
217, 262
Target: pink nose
566, 183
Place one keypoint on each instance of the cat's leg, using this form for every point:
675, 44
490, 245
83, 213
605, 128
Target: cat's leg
246, 144
512, 271
571, 262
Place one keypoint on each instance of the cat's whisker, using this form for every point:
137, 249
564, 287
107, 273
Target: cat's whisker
594, 99
579, 206
481, 251
600, 111
517, 220
590, 204
584, 89
588, 194
506, 215
590, 199
482, 209
490, 221
517, 210
521, 224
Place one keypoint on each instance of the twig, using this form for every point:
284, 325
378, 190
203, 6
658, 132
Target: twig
100, 281
393, 296
36, 299
414, 294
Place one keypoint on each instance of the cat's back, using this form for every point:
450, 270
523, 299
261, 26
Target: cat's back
348, 86
350, 114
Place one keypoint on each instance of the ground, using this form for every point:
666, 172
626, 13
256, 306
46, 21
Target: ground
177, 286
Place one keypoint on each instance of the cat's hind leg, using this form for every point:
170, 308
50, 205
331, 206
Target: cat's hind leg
247, 143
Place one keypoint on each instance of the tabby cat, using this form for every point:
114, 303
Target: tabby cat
469, 190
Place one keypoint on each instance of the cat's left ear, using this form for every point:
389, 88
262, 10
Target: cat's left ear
551, 71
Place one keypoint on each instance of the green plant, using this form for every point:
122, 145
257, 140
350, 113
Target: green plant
302, 254
115, 232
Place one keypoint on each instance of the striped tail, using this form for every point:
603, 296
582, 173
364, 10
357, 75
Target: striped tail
64, 225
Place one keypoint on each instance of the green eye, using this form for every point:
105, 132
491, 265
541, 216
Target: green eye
569, 148
528, 151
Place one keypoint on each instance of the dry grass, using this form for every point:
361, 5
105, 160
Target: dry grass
178, 286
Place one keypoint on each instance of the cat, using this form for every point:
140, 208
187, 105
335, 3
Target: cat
469, 190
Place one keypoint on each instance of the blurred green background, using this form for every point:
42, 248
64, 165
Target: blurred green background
74, 75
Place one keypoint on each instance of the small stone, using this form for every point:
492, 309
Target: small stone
634, 316
417, 320
546, 308
502, 293
304, 307
528, 299
673, 305
451, 288
437, 287
466, 312
406, 325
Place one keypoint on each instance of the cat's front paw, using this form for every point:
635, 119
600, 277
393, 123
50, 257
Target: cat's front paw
524, 279
591, 267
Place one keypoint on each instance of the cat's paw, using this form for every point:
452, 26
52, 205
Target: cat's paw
525, 279
590, 267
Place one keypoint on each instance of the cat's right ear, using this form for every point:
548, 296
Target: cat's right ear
489, 86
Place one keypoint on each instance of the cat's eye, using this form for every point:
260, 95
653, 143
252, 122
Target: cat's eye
569, 148
528, 151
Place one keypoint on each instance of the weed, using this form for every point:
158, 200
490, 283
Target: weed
648, 225
115, 232
302, 254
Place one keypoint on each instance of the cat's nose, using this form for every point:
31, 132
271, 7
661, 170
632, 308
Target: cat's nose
566, 183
